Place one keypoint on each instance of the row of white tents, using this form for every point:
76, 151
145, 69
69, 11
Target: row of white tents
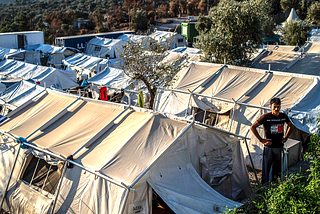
66, 154
49, 76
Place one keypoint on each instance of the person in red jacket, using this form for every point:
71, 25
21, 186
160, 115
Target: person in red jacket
273, 124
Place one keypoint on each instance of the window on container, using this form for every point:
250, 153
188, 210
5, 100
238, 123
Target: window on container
41, 174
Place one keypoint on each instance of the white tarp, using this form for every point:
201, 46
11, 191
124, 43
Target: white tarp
19, 93
59, 79
176, 40
104, 47
5, 51
125, 151
86, 64
112, 77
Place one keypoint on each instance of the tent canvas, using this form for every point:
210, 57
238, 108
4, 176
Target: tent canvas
19, 93
175, 39
85, 64
107, 145
60, 79
104, 47
277, 60
55, 54
251, 89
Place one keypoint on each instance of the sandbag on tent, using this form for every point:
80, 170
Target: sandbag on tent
112, 151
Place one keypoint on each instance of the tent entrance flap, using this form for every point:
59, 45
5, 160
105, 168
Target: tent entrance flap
182, 197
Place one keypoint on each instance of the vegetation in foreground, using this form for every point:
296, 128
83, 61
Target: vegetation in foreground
298, 193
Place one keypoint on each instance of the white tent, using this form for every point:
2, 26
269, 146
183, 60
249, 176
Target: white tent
143, 40
19, 93
104, 47
59, 79
292, 17
112, 77
89, 65
5, 51
175, 40
55, 54
119, 155
232, 98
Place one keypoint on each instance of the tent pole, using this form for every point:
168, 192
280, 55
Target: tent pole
234, 108
64, 159
7, 186
188, 105
153, 163
254, 170
124, 201
58, 188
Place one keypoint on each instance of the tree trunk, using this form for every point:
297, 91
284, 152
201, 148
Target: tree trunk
152, 91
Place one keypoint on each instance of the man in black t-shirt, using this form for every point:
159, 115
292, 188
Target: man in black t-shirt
273, 124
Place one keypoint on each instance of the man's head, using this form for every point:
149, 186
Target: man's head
275, 105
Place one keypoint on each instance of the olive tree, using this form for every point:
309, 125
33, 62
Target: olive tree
237, 30
296, 32
142, 61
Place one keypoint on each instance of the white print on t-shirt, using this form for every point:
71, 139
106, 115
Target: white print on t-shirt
276, 128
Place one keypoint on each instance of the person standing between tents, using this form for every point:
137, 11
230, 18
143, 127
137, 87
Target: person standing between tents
273, 123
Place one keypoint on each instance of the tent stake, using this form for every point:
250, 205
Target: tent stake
58, 188
254, 170
7, 186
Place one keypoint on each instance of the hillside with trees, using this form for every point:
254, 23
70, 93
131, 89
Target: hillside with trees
56, 17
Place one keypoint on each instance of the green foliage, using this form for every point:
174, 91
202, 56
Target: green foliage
296, 32
314, 13
237, 29
141, 61
298, 193
140, 20
203, 24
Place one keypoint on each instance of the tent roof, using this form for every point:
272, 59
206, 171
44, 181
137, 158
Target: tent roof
278, 60
307, 64
74, 122
45, 48
132, 37
293, 16
5, 51
51, 76
105, 42
311, 47
112, 77
83, 61
20, 92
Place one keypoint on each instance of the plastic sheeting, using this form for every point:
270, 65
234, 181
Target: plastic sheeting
59, 79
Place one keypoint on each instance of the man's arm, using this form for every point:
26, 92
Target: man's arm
253, 128
289, 131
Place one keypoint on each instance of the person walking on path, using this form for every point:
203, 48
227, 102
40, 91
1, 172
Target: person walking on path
273, 124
